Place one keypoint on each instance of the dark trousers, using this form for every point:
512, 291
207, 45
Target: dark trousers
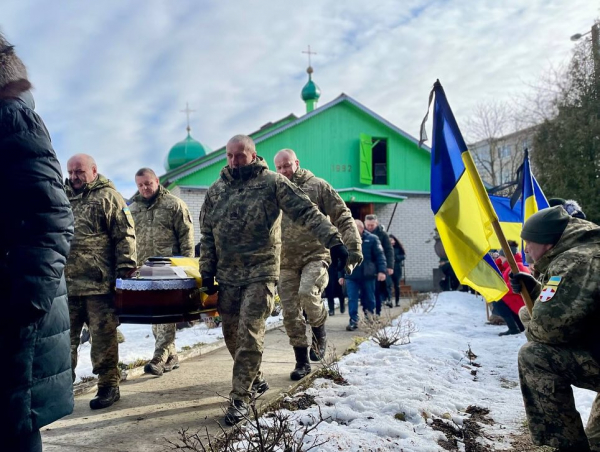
396, 277
365, 289
334, 290
512, 320
28, 442
381, 294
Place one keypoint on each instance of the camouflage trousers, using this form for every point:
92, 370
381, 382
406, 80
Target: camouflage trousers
164, 346
244, 311
546, 373
300, 291
99, 313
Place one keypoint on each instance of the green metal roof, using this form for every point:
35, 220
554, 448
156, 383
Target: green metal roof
364, 195
185, 151
310, 91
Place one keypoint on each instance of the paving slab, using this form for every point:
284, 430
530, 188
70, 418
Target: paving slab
192, 397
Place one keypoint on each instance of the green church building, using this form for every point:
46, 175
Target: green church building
374, 165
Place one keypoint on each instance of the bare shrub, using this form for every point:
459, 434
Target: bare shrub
423, 303
330, 368
276, 431
384, 332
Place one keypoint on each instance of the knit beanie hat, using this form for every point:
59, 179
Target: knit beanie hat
546, 226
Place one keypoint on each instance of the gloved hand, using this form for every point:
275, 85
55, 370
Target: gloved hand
522, 279
126, 272
355, 258
339, 255
208, 282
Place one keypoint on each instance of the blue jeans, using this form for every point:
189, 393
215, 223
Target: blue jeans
365, 289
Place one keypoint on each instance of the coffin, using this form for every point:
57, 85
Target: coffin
163, 290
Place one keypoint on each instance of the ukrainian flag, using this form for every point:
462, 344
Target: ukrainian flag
510, 220
462, 209
533, 197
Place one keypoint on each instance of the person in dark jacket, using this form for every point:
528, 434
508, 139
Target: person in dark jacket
399, 256
381, 291
361, 283
35, 235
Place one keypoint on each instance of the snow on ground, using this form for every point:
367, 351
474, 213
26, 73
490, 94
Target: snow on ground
139, 343
429, 378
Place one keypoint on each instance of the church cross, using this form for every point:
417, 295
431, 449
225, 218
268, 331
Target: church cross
309, 53
187, 112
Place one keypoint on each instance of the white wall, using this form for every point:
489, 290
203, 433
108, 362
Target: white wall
413, 224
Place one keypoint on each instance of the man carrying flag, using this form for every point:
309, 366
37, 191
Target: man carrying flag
564, 338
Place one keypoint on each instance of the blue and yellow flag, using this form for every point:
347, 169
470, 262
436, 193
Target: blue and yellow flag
533, 197
510, 220
463, 211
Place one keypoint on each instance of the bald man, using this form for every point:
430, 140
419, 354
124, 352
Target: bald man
102, 250
240, 222
305, 262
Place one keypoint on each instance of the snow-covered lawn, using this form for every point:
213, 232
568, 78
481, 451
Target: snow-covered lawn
139, 343
429, 378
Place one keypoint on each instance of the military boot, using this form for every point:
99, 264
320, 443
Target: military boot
236, 412
302, 368
105, 397
259, 385
171, 364
155, 367
319, 343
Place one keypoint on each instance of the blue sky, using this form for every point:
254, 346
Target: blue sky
111, 77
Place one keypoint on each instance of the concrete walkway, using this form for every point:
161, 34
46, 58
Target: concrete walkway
191, 397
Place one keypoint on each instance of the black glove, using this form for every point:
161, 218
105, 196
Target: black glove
339, 255
522, 279
209, 283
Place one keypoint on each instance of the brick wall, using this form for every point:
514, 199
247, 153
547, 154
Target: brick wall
194, 199
413, 224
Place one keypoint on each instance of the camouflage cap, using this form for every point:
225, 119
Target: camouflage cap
546, 226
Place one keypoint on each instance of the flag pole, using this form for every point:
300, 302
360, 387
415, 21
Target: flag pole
487, 205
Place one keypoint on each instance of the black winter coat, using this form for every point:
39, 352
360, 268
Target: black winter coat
388, 250
373, 259
35, 234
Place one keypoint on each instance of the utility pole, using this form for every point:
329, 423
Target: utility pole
595, 35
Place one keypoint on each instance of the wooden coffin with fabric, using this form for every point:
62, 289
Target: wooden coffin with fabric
164, 290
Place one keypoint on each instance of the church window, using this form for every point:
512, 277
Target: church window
373, 160
380, 161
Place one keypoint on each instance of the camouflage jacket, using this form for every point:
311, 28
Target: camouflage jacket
567, 309
299, 246
163, 226
240, 222
104, 244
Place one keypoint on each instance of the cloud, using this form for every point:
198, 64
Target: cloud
111, 77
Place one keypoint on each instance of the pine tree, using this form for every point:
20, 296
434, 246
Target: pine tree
567, 146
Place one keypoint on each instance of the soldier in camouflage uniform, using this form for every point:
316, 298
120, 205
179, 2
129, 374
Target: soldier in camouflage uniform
102, 250
563, 333
304, 263
163, 227
240, 224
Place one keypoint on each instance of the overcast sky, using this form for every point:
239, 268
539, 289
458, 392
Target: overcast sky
111, 76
